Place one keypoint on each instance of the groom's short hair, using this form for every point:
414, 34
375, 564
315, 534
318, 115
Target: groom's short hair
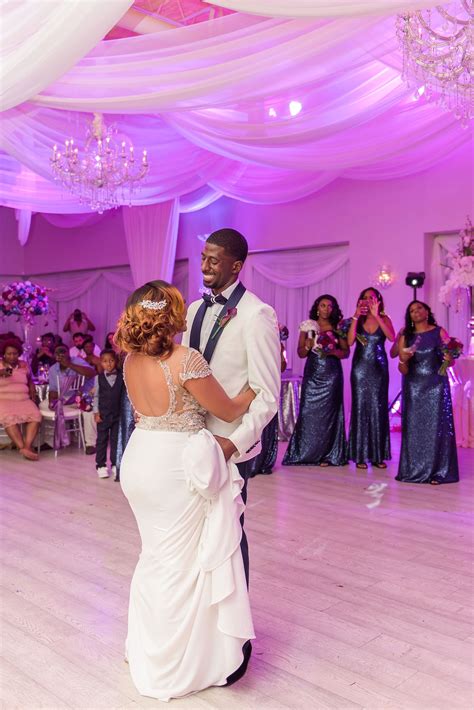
232, 241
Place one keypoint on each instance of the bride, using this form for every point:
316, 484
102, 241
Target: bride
189, 612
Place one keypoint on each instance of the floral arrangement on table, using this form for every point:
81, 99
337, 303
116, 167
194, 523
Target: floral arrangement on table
84, 401
452, 347
25, 300
461, 265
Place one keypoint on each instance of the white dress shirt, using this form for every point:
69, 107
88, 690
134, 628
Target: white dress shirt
211, 315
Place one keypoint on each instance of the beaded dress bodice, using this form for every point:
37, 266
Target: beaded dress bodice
184, 413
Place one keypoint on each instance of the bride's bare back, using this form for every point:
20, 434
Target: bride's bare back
174, 394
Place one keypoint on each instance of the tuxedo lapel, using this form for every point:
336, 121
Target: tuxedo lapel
195, 337
216, 331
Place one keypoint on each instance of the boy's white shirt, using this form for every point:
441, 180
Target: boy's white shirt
247, 353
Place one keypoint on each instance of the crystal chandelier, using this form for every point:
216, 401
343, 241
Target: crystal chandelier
105, 174
438, 52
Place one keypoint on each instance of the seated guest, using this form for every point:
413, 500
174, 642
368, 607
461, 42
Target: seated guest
59, 375
428, 453
44, 355
17, 400
79, 340
108, 394
78, 322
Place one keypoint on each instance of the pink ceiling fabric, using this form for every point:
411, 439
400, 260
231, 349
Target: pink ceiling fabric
211, 103
42, 39
321, 8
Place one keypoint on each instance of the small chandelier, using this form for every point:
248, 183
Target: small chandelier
438, 53
384, 276
106, 174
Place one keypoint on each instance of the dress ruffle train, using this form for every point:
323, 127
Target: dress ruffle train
189, 612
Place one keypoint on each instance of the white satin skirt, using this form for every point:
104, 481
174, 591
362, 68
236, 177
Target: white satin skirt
189, 612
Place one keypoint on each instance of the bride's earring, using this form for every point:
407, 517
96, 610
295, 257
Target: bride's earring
317, 314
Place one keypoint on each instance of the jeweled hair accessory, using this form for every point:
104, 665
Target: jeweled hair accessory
153, 305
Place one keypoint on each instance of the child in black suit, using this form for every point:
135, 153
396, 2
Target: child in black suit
106, 406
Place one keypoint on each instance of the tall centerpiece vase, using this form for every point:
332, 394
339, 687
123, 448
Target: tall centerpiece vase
27, 348
471, 321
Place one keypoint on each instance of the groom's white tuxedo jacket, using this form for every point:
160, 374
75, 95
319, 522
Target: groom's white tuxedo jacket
246, 353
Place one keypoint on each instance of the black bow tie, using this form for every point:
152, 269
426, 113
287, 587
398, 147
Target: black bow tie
110, 374
209, 299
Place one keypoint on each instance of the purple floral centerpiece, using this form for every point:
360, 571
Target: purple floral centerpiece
25, 300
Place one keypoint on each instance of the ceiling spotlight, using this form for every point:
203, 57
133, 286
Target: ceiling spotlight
295, 107
272, 112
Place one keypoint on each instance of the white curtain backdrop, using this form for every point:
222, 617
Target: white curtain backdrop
455, 318
151, 233
42, 39
322, 8
101, 293
291, 280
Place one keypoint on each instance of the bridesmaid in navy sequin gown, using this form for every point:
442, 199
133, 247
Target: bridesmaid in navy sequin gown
319, 437
369, 431
428, 453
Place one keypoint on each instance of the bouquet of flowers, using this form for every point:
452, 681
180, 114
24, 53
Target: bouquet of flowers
461, 265
343, 330
452, 347
325, 344
24, 299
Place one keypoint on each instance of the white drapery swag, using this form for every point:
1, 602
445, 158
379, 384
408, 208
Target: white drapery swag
43, 39
101, 293
321, 8
455, 318
290, 281
151, 233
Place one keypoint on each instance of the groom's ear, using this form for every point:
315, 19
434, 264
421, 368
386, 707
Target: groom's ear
237, 266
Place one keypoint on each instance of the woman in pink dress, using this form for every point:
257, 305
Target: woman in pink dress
16, 400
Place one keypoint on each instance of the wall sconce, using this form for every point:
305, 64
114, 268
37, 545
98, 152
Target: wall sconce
384, 276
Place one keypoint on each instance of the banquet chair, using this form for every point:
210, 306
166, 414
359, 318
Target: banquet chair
72, 415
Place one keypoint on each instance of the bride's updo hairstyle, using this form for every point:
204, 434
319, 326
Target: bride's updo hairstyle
154, 313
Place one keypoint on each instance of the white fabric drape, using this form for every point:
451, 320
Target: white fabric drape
42, 39
151, 233
290, 281
455, 318
23, 217
322, 8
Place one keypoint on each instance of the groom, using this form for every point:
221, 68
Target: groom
238, 336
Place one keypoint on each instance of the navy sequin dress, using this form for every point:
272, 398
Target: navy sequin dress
428, 441
369, 431
319, 434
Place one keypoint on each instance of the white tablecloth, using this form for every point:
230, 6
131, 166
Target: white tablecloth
461, 378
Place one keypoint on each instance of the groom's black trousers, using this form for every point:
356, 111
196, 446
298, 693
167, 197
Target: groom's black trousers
245, 470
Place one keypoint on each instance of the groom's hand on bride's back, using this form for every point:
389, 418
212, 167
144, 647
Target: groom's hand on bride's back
226, 445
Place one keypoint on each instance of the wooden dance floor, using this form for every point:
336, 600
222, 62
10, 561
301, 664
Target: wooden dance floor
361, 590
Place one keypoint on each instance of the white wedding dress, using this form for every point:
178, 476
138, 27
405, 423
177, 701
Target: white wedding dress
189, 612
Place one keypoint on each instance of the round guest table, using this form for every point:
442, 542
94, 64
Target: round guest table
289, 405
461, 378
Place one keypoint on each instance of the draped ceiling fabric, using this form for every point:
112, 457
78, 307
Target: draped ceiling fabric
198, 99
43, 39
321, 8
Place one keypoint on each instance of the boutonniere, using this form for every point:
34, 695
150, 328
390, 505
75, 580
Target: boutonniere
222, 322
